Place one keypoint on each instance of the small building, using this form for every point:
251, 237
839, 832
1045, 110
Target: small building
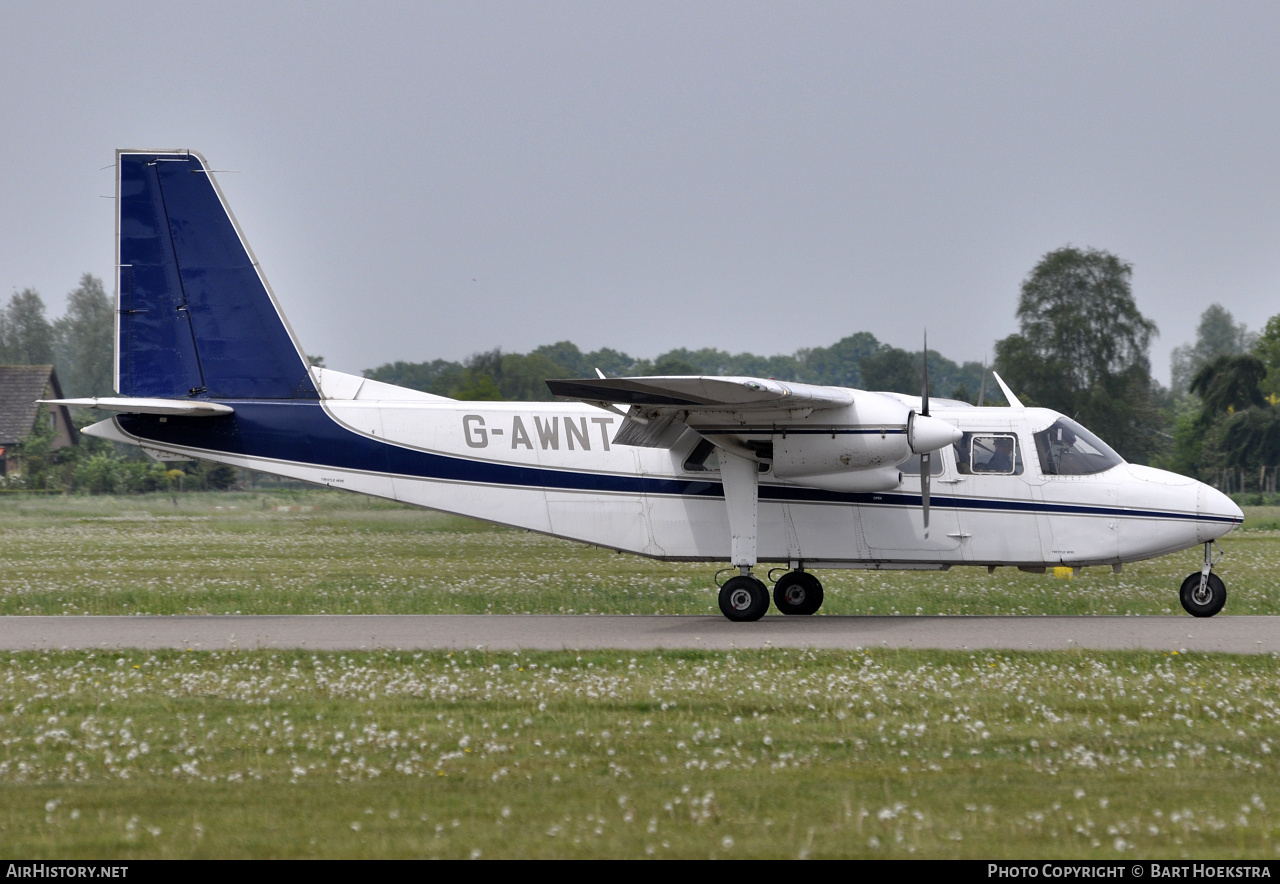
20, 387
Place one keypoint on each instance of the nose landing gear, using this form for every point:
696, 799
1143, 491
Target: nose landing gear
1203, 593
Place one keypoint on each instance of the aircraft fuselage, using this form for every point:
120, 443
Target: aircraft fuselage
556, 469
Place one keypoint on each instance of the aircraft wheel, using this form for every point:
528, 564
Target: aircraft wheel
1204, 603
744, 598
797, 592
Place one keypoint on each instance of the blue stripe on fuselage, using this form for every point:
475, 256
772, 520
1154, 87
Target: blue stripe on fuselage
303, 432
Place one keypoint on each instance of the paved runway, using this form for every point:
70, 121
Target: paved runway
1239, 635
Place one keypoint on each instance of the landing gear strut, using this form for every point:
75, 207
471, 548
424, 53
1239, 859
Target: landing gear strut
797, 592
1203, 593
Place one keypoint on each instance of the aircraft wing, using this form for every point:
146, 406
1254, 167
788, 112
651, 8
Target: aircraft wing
660, 406
702, 393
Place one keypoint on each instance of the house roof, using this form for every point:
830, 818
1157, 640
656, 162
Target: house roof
20, 387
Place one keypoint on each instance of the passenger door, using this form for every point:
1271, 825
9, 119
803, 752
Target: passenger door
998, 498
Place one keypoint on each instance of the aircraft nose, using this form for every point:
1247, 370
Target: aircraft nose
1217, 513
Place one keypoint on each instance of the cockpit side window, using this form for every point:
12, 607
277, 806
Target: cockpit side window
1068, 449
989, 454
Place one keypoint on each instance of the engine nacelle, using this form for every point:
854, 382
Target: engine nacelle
838, 450
854, 482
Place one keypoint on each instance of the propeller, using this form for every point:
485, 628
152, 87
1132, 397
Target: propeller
926, 465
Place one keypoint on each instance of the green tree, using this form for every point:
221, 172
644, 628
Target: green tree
613, 363
671, 364
35, 453
437, 377
1083, 349
566, 354
1267, 348
210, 476
26, 337
524, 378
1226, 423
1229, 384
99, 474
891, 370
84, 341
1218, 334
840, 364
1249, 440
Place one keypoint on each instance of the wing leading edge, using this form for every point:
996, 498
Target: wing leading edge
660, 407
702, 393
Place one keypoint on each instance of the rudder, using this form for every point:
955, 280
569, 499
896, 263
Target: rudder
195, 317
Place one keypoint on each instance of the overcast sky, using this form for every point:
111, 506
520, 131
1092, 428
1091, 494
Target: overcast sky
426, 180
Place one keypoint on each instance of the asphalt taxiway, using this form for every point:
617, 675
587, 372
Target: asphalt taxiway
1237, 635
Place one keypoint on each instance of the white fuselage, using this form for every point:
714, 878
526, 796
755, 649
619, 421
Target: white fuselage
556, 469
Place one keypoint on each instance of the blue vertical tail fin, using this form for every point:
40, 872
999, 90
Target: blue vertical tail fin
195, 317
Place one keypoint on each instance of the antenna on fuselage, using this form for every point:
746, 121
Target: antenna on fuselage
1008, 394
982, 387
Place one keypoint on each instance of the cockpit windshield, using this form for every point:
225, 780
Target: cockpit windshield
1068, 449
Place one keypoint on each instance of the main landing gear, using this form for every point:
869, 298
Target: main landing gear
1203, 593
745, 597
797, 592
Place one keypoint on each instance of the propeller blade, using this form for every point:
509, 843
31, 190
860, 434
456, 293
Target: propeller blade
925, 471
926, 457
924, 394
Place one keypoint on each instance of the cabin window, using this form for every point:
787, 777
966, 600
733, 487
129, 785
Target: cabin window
1068, 449
911, 466
989, 454
705, 457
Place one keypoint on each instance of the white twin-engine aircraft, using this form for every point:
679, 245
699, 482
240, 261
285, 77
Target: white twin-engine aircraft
743, 470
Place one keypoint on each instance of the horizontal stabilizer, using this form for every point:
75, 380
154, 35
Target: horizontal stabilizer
702, 393
133, 405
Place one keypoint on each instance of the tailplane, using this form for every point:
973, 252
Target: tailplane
195, 317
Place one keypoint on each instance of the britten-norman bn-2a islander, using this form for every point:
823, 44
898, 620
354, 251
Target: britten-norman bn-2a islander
742, 470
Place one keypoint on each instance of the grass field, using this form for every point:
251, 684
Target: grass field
759, 754
339, 553
746, 754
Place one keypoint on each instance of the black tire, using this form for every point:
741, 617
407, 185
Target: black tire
1214, 597
744, 598
797, 592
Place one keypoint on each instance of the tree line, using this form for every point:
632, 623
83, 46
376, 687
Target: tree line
858, 360
80, 345
1082, 349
